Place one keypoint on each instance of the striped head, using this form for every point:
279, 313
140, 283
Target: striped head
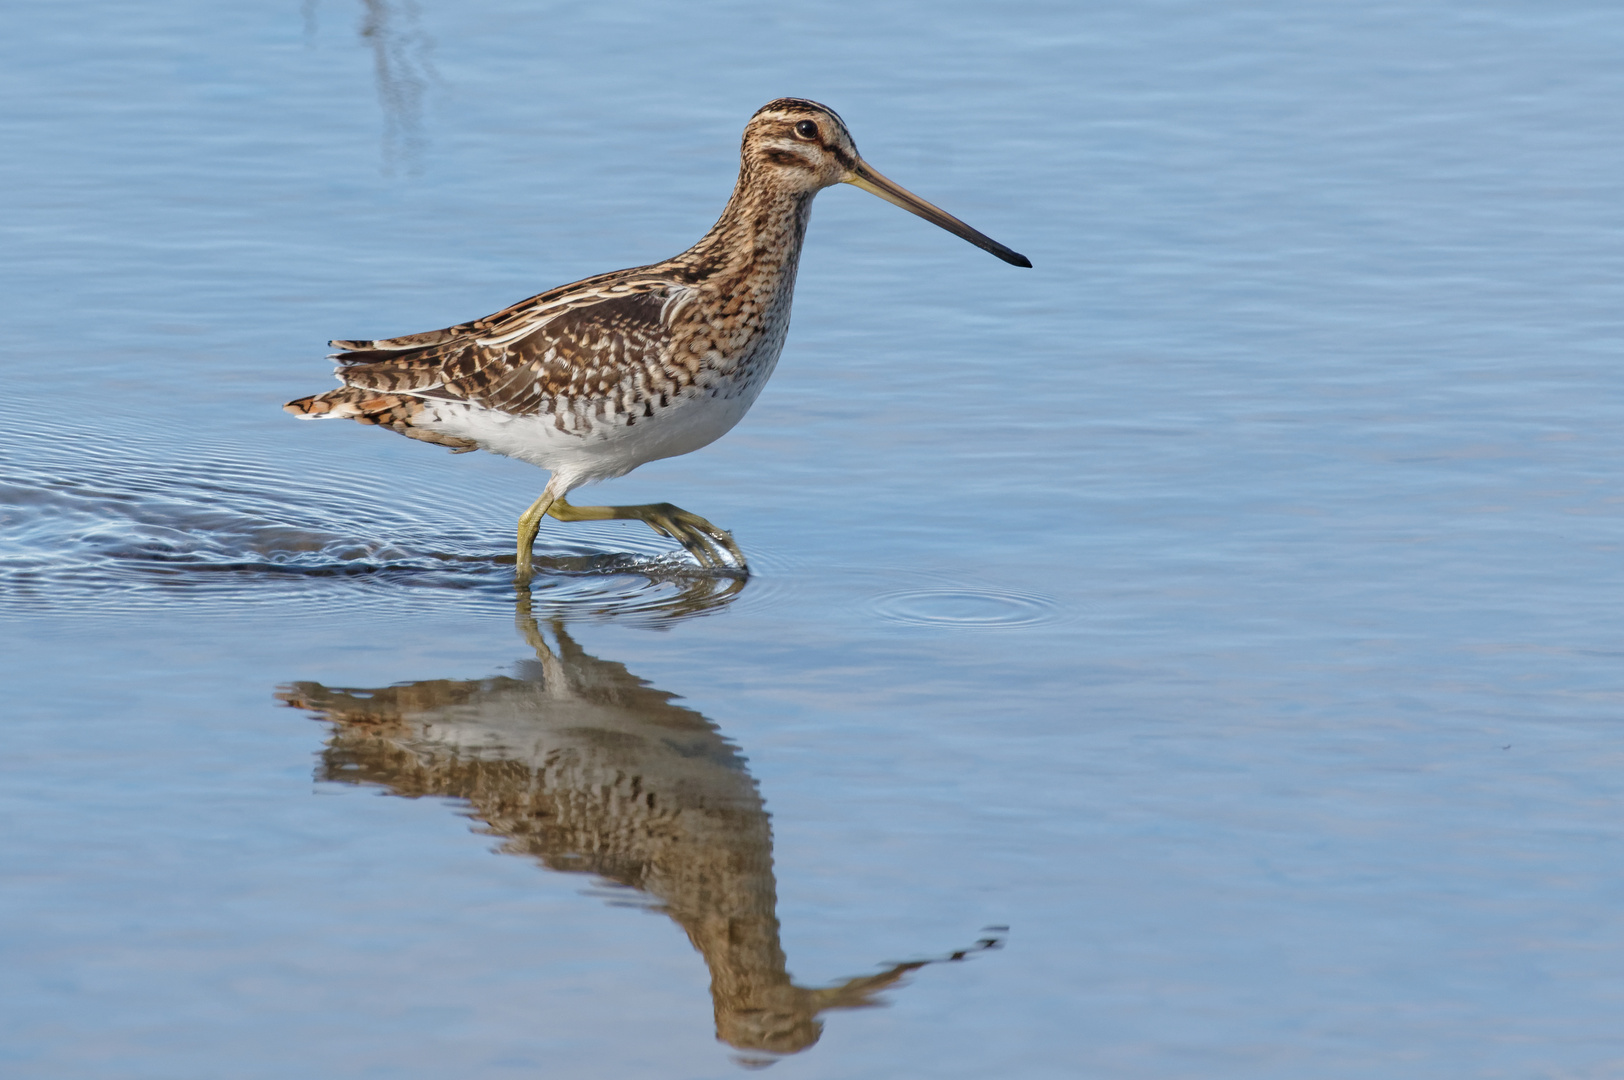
800, 147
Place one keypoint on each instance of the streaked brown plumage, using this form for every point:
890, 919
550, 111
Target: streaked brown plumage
592, 379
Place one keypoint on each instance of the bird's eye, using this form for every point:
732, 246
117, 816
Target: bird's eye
806, 129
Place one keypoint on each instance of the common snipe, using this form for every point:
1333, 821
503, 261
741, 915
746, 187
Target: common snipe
593, 379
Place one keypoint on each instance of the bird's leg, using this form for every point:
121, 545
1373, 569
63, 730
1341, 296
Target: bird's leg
693, 532
529, 524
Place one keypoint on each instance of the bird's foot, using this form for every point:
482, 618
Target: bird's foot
704, 541
695, 534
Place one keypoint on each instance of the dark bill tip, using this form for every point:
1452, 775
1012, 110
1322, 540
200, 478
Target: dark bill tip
864, 176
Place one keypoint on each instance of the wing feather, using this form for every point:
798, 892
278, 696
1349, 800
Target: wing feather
583, 340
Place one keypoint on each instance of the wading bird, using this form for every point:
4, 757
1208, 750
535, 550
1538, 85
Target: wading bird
593, 379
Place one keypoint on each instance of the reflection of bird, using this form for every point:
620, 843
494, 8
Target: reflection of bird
401, 67
583, 766
593, 379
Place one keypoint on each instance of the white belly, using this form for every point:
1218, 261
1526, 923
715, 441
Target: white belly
582, 442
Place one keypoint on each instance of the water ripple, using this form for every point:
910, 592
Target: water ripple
106, 534
965, 608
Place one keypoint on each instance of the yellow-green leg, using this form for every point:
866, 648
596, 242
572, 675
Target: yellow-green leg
529, 524
693, 532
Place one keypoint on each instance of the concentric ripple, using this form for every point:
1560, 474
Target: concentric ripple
965, 608
105, 534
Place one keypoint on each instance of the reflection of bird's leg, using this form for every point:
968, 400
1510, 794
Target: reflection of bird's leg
693, 532
554, 666
525, 620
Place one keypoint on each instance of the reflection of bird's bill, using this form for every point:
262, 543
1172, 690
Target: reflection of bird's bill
866, 177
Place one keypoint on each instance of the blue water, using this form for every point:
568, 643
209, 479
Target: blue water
1211, 634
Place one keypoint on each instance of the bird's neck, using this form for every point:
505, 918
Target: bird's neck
755, 244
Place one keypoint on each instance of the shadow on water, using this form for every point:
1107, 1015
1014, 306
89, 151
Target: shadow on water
579, 764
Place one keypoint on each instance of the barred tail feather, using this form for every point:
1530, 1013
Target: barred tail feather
396, 412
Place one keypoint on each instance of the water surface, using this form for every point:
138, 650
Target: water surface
1208, 637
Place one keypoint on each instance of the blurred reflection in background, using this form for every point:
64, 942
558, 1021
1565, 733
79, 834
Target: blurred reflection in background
403, 67
581, 765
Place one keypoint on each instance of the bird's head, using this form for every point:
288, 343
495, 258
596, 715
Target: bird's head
800, 146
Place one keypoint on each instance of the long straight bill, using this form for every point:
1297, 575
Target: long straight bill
863, 176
